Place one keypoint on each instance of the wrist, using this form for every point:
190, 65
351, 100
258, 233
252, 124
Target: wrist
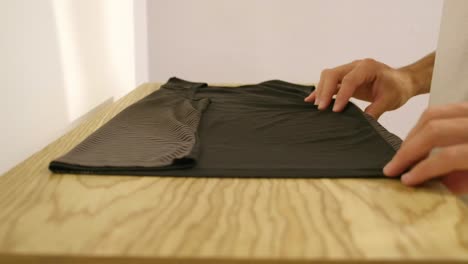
419, 74
416, 82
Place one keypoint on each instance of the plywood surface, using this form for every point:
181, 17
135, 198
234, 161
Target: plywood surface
45, 214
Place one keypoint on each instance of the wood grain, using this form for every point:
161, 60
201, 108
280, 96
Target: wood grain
223, 219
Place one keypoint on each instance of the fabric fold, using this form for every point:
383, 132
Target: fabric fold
157, 133
259, 130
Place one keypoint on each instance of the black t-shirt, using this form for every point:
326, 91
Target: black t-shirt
262, 130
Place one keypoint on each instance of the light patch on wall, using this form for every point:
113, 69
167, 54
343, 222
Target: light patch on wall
96, 40
119, 47
71, 61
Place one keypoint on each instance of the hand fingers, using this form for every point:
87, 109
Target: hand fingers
318, 89
328, 84
330, 87
440, 112
377, 108
447, 160
457, 182
363, 73
436, 133
311, 97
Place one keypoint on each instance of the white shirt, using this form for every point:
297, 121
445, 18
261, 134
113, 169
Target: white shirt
450, 77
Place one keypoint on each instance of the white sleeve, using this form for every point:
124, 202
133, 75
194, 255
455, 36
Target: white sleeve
450, 78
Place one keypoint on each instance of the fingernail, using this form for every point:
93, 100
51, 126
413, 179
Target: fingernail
335, 108
387, 168
406, 178
316, 101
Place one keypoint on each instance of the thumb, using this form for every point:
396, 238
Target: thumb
457, 182
375, 109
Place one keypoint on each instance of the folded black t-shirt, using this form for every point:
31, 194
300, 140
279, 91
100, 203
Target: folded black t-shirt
262, 130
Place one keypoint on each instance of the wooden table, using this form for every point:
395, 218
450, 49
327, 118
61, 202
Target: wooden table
46, 217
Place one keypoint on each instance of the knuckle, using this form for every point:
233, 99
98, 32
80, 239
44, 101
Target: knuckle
369, 62
449, 154
429, 113
329, 74
325, 72
348, 80
432, 129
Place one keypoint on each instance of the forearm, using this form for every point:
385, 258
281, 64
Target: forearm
420, 73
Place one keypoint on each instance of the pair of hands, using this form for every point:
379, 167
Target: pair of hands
436, 147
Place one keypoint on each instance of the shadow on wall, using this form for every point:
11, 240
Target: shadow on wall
62, 58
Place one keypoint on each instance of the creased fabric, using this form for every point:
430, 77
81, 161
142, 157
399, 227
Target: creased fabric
261, 130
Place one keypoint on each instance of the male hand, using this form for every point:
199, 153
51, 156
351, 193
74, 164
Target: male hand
436, 147
385, 87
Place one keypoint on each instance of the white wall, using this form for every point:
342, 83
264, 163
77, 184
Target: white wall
59, 60
141, 41
256, 40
